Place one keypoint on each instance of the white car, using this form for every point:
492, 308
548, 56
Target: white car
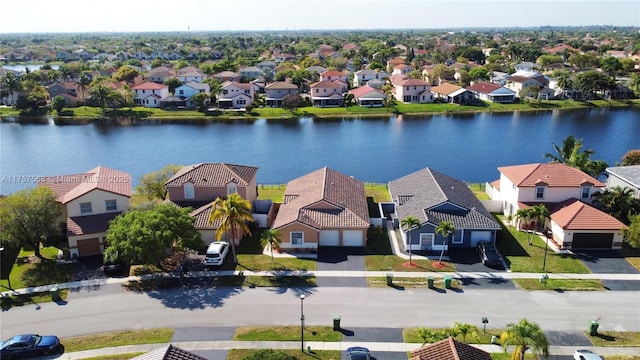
582, 354
216, 253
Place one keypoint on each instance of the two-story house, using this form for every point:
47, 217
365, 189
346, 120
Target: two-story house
191, 73
148, 94
333, 75
160, 74
225, 76
198, 185
250, 73
361, 77
88, 201
327, 93
278, 90
567, 193
236, 95
68, 89
187, 90
413, 91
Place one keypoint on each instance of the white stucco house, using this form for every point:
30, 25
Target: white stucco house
148, 94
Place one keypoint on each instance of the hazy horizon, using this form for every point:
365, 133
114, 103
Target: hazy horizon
120, 16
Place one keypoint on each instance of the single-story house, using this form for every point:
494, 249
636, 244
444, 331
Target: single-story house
368, 97
323, 208
454, 94
433, 197
493, 92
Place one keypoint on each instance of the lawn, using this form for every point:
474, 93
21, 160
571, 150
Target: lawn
410, 335
560, 284
286, 333
632, 255
29, 271
522, 257
615, 338
275, 192
112, 339
411, 282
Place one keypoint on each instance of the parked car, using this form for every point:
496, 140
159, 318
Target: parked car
29, 345
216, 253
112, 266
358, 353
489, 254
582, 354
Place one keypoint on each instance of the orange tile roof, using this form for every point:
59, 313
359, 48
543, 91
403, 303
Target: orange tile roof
552, 174
325, 84
577, 215
484, 87
332, 73
363, 90
449, 349
70, 187
150, 86
445, 88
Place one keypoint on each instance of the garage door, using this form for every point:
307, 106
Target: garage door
478, 236
89, 247
329, 238
592, 241
352, 238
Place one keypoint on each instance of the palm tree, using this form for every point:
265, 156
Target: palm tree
11, 83
83, 84
445, 228
524, 215
539, 214
525, 335
215, 89
102, 95
571, 154
270, 237
463, 329
409, 223
618, 202
233, 213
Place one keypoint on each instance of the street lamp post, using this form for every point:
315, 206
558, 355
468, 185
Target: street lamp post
302, 297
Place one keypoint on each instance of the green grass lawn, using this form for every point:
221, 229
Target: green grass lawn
411, 282
28, 271
522, 257
286, 333
410, 335
560, 284
133, 337
116, 357
615, 338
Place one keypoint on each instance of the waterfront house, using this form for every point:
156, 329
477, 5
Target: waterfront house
323, 208
235, 95
412, 91
68, 90
433, 197
453, 94
327, 94
492, 92
149, 94
276, 91
88, 201
198, 185
187, 90
367, 96
624, 177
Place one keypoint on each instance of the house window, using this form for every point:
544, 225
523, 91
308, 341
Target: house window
584, 194
181, 92
189, 191
539, 192
232, 188
111, 205
456, 239
297, 238
241, 102
85, 208
426, 240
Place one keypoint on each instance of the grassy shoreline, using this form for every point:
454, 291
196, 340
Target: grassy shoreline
141, 114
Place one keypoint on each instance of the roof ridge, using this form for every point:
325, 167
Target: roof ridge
575, 214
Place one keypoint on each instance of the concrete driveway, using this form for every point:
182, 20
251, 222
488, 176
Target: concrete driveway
332, 258
467, 260
609, 262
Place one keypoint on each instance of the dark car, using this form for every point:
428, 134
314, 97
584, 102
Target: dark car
358, 353
489, 254
29, 345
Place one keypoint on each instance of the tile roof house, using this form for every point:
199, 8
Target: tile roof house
449, 349
492, 92
323, 208
332, 75
188, 89
453, 94
169, 352
191, 73
160, 74
368, 97
624, 176
361, 77
276, 91
88, 201
235, 95
149, 94
224, 76
567, 193
412, 91
327, 93
433, 197
198, 185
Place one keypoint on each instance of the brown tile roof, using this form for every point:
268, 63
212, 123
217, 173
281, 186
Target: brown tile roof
324, 198
149, 86
239, 85
449, 349
202, 215
213, 174
576, 215
552, 174
484, 87
90, 224
411, 82
363, 90
70, 187
169, 352
281, 85
326, 84
332, 73
445, 88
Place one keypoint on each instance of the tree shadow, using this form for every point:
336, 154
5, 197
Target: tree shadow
48, 272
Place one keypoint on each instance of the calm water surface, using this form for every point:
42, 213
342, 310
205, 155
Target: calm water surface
467, 147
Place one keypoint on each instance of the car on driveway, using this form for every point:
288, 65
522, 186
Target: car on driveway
582, 354
29, 345
358, 353
489, 254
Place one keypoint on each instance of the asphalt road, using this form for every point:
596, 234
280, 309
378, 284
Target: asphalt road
111, 309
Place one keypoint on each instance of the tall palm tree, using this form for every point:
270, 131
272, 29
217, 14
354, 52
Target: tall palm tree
409, 223
83, 84
12, 84
525, 335
571, 154
233, 213
539, 214
271, 238
446, 229
102, 95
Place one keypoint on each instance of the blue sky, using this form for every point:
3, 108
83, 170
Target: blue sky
215, 15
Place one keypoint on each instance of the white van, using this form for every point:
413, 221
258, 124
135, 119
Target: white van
216, 253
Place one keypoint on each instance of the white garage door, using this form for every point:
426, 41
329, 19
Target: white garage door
352, 238
329, 238
478, 236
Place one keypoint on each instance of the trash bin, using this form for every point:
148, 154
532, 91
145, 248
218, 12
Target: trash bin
430, 282
55, 293
447, 282
593, 328
336, 323
389, 279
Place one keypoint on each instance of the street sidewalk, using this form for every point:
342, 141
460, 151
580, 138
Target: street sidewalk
375, 347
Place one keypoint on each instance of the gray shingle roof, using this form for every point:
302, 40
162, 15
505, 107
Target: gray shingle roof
630, 174
433, 197
213, 174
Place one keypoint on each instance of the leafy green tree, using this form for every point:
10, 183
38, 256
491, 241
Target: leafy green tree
291, 102
28, 218
200, 100
464, 330
125, 73
611, 65
271, 238
155, 63
143, 236
479, 73
632, 157
525, 335
232, 214
409, 223
58, 103
445, 229
524, 215
429, 336
102, 96
632, 233
152, 184
571, 154
590, 82
215, 89
583, 61
12, 84
548, 59
634, 83
173, 83
539, 214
